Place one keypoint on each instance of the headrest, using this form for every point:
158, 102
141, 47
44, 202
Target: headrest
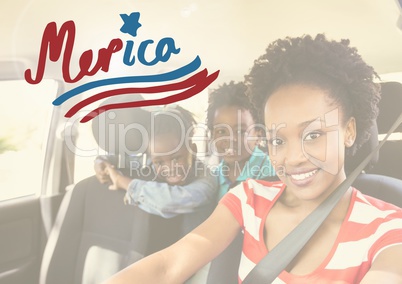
122, 131
390, 106
351, 162
389, 110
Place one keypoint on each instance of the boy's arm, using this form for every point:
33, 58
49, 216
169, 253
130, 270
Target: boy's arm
170, 200
118, 180
100, 164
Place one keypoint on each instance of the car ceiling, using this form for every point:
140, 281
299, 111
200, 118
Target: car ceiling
227, 34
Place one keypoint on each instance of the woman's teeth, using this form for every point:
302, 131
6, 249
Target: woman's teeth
303, 175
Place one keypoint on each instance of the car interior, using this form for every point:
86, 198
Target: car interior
58, 224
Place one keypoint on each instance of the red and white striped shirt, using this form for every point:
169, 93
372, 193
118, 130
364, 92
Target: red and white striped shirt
370, 226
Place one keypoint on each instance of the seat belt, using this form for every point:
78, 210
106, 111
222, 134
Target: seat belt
285, 251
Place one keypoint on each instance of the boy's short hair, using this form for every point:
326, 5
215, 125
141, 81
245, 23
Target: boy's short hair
232, 94
174, 120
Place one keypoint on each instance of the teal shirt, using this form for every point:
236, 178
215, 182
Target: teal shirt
257, 167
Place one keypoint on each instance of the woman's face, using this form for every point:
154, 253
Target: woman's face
234, 134
171, 158
307, 136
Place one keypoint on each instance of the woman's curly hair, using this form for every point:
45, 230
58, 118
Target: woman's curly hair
232, 94
333, 66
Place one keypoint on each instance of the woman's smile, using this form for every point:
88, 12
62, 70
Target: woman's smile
302, 178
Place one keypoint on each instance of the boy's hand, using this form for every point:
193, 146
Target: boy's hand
119, 181
100, 171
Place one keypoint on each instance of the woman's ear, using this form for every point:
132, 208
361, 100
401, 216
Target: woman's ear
350, 132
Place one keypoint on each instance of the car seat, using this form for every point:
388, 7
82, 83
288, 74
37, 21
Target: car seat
95, 234
390, 156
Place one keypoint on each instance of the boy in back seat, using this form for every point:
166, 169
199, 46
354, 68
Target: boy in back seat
175, 182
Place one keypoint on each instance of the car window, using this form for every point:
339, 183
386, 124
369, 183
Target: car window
25, 114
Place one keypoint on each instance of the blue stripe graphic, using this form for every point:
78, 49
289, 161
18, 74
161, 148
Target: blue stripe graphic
175, 74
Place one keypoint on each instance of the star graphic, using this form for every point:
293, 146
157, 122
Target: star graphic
131, 23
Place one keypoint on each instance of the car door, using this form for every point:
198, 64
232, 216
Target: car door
30, 187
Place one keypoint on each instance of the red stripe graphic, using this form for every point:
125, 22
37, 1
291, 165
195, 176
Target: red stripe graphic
195, 84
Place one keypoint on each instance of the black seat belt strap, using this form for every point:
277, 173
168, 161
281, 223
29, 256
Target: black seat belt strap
285, 251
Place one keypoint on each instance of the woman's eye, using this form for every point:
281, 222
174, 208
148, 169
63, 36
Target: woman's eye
275, 142
312, 136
